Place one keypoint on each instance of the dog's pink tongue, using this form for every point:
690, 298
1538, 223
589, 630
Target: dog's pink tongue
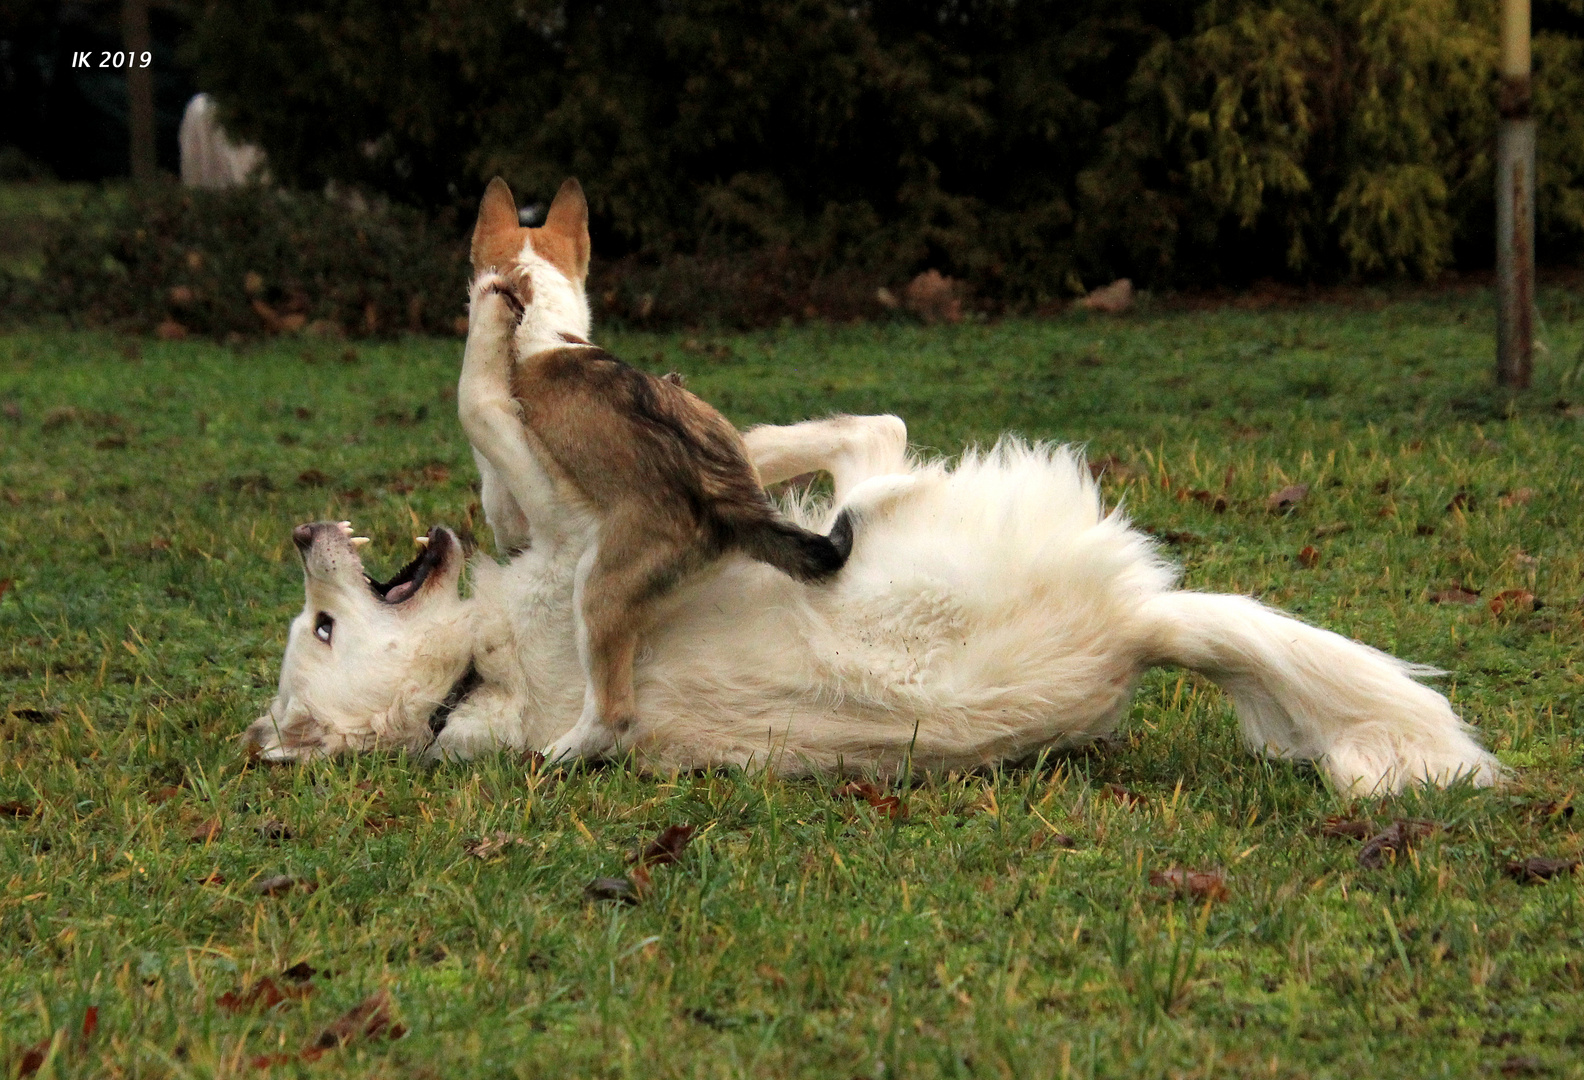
399, 593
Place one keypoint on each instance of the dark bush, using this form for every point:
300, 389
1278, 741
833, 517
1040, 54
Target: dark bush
252, 261
1029, 147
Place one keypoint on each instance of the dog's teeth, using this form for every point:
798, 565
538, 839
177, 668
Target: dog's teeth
421, 541
359, 541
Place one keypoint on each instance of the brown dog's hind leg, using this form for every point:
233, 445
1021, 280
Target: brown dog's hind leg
620, 581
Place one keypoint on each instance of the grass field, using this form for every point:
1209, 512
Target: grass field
1005, 926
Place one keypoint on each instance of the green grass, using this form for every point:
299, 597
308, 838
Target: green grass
147, 491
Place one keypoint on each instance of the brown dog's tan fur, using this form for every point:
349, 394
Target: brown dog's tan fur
666, 476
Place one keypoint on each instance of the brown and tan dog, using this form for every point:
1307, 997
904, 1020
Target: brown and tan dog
579, 448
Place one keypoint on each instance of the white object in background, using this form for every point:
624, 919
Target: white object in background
208, 158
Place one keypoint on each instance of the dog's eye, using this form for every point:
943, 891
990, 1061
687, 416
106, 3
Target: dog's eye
323, 626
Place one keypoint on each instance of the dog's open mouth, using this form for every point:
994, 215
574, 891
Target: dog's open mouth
432, 553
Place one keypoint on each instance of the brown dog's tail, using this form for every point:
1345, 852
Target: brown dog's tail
804, 555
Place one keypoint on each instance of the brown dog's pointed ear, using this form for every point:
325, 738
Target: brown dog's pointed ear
497, 238
568, 218
568, 211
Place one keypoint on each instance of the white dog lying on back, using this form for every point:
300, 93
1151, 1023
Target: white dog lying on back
989, 609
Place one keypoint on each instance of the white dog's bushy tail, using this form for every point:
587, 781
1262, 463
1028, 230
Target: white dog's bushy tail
1304, 692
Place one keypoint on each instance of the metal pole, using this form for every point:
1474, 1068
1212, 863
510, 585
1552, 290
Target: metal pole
1515, 170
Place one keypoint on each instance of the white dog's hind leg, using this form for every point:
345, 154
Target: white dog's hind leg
1304, 692
851, 448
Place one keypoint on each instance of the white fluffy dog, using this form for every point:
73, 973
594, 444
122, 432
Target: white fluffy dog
989, 608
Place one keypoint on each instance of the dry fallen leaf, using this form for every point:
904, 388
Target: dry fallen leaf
368, 1019
1393, 842
1336, 828
1309, 558
487, 847
272, 829
214, 877
1521, 497
1457, 594
262, 995
205, 832
1110, 466
1514, 600
1536, 868
608, 888
1288, 497
666, 848
1118, 793
281, 884
1192, 884
889, 805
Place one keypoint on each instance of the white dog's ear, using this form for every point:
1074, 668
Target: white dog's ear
568, 219
497, 238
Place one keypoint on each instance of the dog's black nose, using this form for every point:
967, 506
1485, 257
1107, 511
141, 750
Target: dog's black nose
303, 536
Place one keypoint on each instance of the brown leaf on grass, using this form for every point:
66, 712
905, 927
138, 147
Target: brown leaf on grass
619, 889
1521, 497
1338, 828
666, 848
281, 884
368, 1019
1514, 600
1336, 528
170, 330
1192, 884
1537, 868
262, 995
1309, 557
164, 794
487, 847
205, 832
17, 809
1279, 502
1118, 793
1522, 1065
214, 877
1392, 843
271, 829
1457, 594
1110, 466
33, 1057
5, 585
889, 805
1214, 500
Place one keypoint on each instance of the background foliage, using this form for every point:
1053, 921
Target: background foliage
1029, 147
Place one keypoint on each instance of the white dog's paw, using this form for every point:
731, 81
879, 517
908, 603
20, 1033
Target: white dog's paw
585, 741
494, 286
877, 494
